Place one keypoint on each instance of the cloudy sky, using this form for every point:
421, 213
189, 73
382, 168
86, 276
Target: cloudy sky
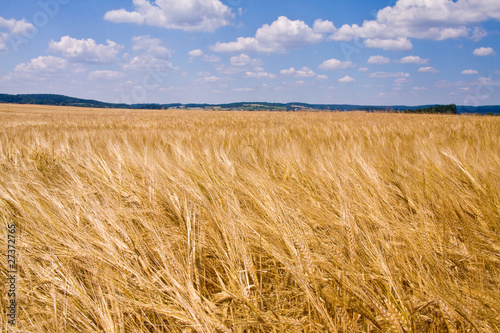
216, 51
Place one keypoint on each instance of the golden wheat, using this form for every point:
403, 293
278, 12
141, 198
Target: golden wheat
192, 221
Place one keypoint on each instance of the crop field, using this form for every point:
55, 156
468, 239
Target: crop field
202, 221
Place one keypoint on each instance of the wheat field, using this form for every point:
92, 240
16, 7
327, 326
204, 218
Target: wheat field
200, 221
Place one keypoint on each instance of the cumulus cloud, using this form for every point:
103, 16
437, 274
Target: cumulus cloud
347, 79
151, 46
377, 59
399, 44
240, 64
43, 64
46, 67
199, 54
469, 72
487, 81
478, 33
289, 71
334, 64
147, 62
16, 27
324, 27
150, 55
242, 89
483, 51
209, 79
303, 72
106, 75
196, 53
428, 70
243, 60
279, 37
259, 75
4, 37
86, 50
413, 60
400, 81
188, 15
422, 19
389, 74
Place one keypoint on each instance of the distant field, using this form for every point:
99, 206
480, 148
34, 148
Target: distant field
198, 221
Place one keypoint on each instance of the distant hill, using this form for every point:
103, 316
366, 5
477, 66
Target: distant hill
61, 100
486, 109
49, 99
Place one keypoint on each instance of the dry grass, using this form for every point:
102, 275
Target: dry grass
159, 221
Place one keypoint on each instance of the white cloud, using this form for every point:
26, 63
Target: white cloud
240, 64
199, 54
45, 67
16, 27
4, 37
389, 74
487, 81
422, 19
210, 58
106, 75
259, 75
303, 72
428, 69
245, 44
86, 50
145, 62
478, 33
347, 79
242, 89
243, 60
324, 27
419, 88
188, 15
483, 51
413, 60
363, 69
196, 53
43, 64
399, 44
279, 37
447, 84
334, 64
386, 95
150, 56
469, 72
400, 81
209, 79
151, 46
377, 59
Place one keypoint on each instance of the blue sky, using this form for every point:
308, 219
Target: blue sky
217, 51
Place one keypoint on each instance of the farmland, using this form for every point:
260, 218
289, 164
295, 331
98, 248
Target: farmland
201, 221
